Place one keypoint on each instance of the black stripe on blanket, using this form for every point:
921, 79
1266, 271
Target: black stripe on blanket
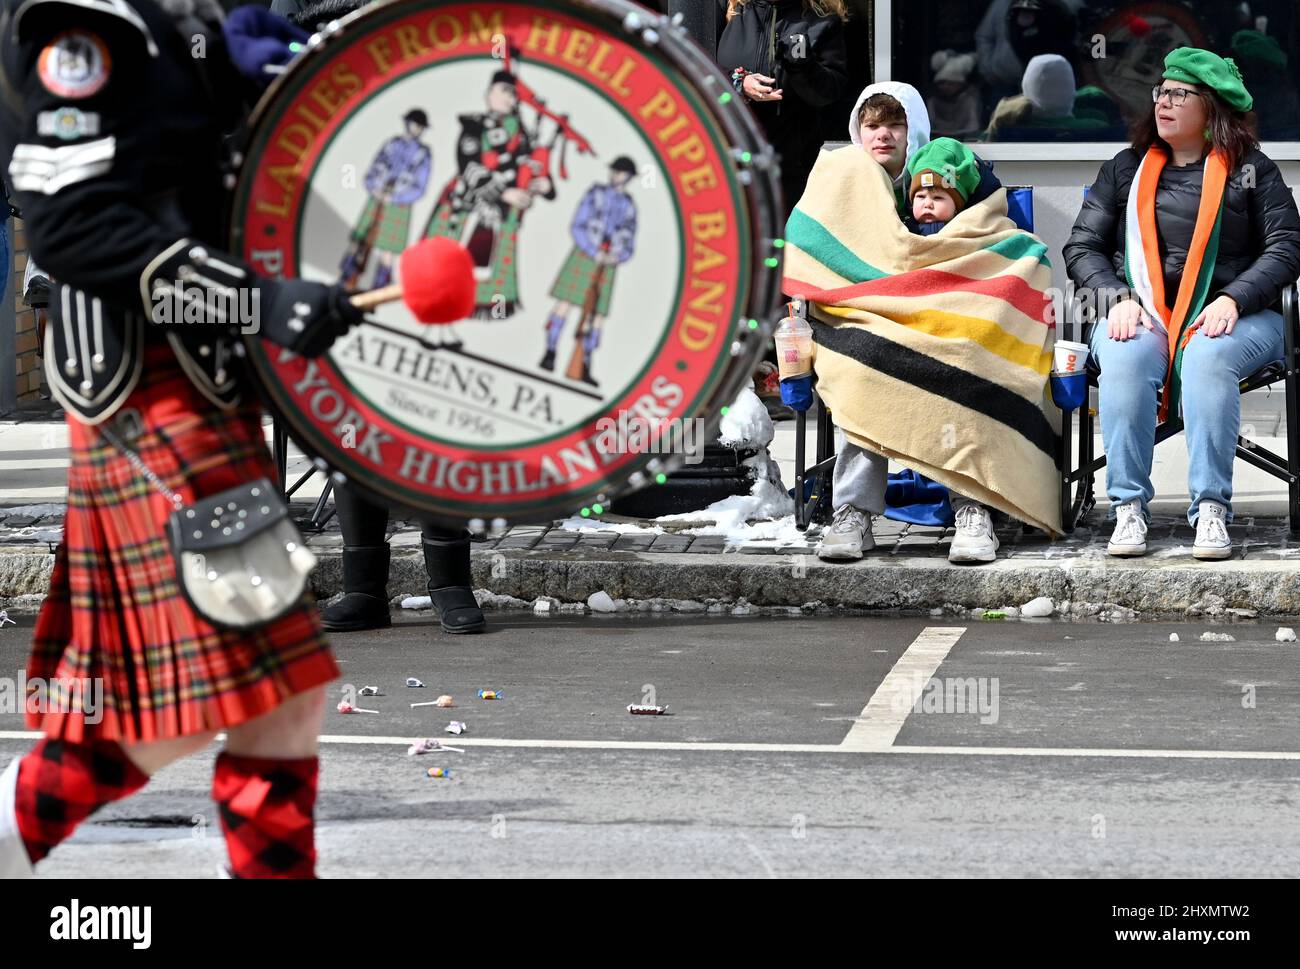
927, 374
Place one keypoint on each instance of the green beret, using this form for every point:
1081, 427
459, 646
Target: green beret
952, 161
1191, 65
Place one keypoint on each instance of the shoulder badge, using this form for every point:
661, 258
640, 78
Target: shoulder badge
75, 64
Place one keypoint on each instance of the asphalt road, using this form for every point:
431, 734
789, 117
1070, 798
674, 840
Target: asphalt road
768, 764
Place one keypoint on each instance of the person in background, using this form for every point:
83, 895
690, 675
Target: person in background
955, 108
1044, 111
787, 59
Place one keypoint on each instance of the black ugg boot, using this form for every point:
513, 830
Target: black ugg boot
365, 585
446, 558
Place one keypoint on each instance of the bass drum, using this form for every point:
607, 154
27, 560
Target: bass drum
622, 213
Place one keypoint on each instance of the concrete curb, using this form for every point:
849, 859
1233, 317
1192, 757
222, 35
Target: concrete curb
1091, 586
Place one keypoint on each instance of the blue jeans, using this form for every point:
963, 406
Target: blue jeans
1132, 372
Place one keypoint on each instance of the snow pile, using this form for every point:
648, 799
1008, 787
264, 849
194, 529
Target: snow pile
576, 524
493, 600
1285, 634
1217, 638
766, 514
417, 602
746, 423
1039, 608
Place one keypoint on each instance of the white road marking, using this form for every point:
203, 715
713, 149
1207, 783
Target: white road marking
887, 710
1135, 753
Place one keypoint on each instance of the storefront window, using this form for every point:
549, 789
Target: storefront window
978, 63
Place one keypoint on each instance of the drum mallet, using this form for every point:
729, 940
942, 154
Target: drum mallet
437, 283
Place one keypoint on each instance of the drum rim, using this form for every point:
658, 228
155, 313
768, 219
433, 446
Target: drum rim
759, 186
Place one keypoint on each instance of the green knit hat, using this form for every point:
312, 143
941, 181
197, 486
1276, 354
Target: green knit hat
1191, 65
950, 165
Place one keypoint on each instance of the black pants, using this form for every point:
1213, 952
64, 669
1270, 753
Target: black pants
365, 523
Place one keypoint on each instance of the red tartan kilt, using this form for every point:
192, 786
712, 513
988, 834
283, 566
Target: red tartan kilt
115, 612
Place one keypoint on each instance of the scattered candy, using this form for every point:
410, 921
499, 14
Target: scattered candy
994, 614
369, 691
438, 772
442, 701
429, 747
642, 710
4, 618
457, 727
412, 681
1285, 634
346, 707
490, 695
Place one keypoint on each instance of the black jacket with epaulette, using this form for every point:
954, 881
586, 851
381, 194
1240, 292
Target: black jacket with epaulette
112, 117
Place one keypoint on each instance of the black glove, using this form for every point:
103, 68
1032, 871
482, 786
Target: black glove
305, 317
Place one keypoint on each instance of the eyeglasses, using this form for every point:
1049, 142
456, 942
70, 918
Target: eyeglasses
1176, 96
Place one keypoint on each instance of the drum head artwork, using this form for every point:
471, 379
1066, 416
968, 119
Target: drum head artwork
620, 211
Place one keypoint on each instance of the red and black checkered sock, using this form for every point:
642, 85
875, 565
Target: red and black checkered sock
267, 815
61, 784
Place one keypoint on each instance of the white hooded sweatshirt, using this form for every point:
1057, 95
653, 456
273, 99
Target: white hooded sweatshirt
918, 118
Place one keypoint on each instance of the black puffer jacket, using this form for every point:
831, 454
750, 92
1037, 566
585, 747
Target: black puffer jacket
805, 54
1259, 241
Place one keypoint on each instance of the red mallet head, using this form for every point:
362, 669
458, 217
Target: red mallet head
438, 281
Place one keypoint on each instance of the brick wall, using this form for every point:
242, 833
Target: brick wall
25, 344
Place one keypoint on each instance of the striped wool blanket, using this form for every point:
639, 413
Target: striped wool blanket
932, 350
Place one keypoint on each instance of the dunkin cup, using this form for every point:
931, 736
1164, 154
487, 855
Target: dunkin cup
1070, 357
794, 346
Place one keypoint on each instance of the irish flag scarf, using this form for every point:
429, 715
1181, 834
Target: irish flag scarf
1144, 269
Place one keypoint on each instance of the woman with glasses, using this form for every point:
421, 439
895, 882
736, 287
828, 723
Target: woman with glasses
1188, 238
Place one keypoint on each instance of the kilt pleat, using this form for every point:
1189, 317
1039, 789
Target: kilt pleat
115, 615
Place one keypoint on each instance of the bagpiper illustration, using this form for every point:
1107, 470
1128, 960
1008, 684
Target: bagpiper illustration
503, 166
396, 180
604, 235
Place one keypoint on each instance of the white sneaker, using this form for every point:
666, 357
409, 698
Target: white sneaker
1129, 540
848, 537
14, 862
1212, 541
974, 541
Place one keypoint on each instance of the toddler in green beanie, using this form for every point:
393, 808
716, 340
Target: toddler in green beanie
944, 174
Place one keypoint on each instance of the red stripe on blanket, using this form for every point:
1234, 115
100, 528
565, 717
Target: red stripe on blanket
934, 282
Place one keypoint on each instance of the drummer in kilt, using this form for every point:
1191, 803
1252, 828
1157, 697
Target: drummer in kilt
121, 210
395, 181
604, 234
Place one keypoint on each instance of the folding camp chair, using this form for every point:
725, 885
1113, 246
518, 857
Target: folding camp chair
1077, 498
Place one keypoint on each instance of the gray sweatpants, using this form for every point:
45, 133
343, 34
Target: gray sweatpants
861, 477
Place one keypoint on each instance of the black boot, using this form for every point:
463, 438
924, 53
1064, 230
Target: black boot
365, 585
446, 559
548, 361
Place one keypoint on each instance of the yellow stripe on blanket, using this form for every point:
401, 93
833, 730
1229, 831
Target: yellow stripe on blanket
951, 326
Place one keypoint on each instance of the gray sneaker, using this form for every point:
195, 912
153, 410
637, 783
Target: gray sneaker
848, 536
974, 540
1212, 541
